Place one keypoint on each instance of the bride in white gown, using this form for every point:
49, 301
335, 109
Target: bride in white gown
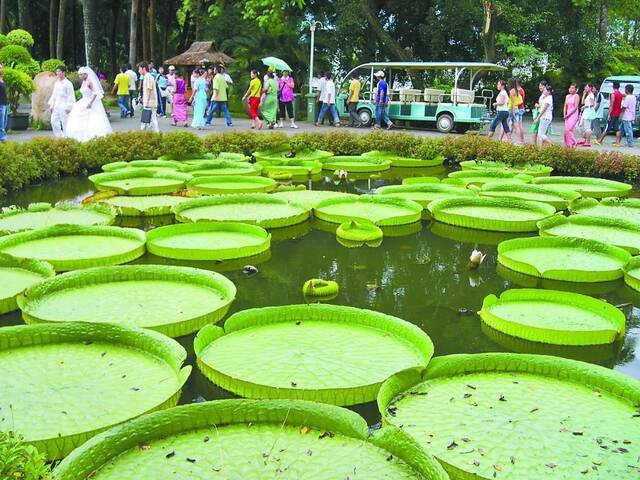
87, 118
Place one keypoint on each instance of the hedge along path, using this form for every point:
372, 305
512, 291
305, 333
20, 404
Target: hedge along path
70, 247
62, 384
249, 439
146, 206
564, 258
140, 181
356, 164
533, 169
620, 233
310, 198
221, 167
208, 241
614, 208
155, 165
381, 210
424, 193
175, 301
555, 317
479, 177
504, 415
560, 199
223, 184
267, 211
18, 274
405, 162
495, 214
37, 215
325, 353
587, 186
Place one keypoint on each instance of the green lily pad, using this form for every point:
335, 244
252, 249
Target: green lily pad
174, 301
292, 167
356, 164
186, 157
564, 258
621, 233
310, 198
359, 231
587, 186
147, 206
480, 177
556, 317
140, 181
535, 169
473, 235
632, 274
14, 219
62, 384
614, 208
69, 247
559, 199
320, 288
420, 180
18, 274
156, 165
287, 439
331, 354
220, 184
380, 210
501, 415
221, 167
425, 193
208, 241
405, 162
261, 209
495, 214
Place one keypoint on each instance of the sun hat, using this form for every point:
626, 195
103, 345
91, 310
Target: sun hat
380, 73
171, 67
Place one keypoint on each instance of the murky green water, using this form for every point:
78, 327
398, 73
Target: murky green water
421, 277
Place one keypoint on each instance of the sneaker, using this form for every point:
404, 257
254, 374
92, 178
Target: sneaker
229, 124
597, 142
294, 126
390, 126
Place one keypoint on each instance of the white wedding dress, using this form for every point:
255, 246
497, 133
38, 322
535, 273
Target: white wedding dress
87, 123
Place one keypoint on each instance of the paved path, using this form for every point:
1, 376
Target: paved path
242, 124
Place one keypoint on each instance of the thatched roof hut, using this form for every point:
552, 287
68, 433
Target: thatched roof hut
199, 53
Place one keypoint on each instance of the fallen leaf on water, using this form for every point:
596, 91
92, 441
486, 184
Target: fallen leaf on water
304, 430
452, 445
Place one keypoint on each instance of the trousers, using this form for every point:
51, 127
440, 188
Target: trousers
59, 117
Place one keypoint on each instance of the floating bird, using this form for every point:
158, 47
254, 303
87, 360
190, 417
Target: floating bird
250, 270
341, 174
476, 258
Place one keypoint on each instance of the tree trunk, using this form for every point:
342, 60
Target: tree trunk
90, 21
488, 32
3, 16
133, 32
115, 19
24, 18
152, 30
145, 39
74, 23
185, 32
387, 40
199, 20
603, 23
52, 28
60, 35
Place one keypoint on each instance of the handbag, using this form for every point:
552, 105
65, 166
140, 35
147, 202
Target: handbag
146, 115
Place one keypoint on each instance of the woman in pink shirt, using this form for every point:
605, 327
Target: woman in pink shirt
285, 86
571, 115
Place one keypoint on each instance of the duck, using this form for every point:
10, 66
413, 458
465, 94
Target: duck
476, 258
249, 270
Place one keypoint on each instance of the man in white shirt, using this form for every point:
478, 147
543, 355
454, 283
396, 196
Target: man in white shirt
61, 101
171, 88
133, 79
328, 98
149, 95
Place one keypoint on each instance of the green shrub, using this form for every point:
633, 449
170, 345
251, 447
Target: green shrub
13, 55
18, 84
185, 143
21, 461
20, 37
31, 68
3, 40
74, 78
51, 64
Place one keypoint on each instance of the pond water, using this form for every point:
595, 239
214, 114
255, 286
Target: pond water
421, 276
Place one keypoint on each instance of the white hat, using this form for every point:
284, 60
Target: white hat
171, 67
380, 73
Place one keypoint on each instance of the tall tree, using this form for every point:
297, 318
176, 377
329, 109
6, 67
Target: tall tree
603, 21
390, 43
144, 32
133, 31
52, 28
91, 42
24, 17
116, 7
152, 29
488, 31
60, 36
3, 15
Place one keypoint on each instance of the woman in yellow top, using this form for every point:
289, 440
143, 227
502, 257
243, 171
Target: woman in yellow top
515, 115
352, 101
121, 88
253, 95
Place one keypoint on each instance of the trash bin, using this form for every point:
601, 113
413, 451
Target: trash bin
312, 107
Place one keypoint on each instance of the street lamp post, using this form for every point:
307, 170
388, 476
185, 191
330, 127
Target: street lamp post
312, 27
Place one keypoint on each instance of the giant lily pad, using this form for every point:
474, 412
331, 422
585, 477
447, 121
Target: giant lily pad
208, 241
18, 274
310, 198
480, 177
421, 180
563, 258
185, 157
327, 353
473, 235
501, 415
62, 384
69, 247
231, 184
291, 167
262, 209
221, 167
620, 233
560, 199
535, 169
425, 193
144, 206
632, 274
615, 208
155, 165
356, 164
38, 215
405, 162
495, 214
556, 317
248, 439
381, 210
587, 186
140, 181
175, 301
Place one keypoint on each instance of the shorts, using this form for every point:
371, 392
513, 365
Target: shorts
614, 124
286, 107
517, 116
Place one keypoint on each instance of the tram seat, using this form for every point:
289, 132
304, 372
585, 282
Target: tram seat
433, 95
408, 95
463, 96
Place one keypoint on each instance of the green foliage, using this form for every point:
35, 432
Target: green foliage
51, 64
19, 461
13, 55
17, 83
20, 37
31, 68
3, 40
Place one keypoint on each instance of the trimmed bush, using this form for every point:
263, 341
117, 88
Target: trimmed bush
51, 64
13, 55
20, 37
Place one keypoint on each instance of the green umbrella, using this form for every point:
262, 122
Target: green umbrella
276, 63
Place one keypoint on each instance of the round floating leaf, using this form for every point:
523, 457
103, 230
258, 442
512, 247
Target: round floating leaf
501, 415
632, 274
331, 354
420, 180
208, 241
359, 231
563, 258
62, 384
472, 235
535, 169
231, 184
140, 181
215, 440
317, 287
556, 317
291, 167
221, 167
480, 177
495, 214
175, 301
559, 199
615, 208
262, 209
149, 206
155, 165
310, 198
18, 274
356, 164
587, 186
406, 162
69, 247
620, 233
425, 193
381, 210
14, 219
187, 156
